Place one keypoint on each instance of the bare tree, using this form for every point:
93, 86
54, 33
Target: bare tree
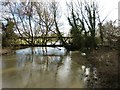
90, 19
77, 26
55, 12
45, 19
17, 13
30, 20
86, 14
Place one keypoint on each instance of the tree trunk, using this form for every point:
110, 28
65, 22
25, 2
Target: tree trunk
66, 45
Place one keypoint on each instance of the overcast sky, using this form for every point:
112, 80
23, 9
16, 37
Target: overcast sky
107, 8
110, 7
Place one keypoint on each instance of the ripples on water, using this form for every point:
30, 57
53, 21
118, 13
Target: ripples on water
44, 68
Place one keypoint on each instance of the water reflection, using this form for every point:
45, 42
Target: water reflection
63, 75
53, 68
90, 76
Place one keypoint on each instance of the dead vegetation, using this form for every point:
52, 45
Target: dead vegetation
106, 62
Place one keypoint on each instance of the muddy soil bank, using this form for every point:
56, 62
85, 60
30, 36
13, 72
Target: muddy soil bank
9, 50
6, 51
106, 63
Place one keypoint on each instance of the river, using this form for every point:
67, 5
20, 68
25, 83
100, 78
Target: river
45, 68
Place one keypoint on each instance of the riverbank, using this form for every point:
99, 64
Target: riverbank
5, 51
11, 50
106, 63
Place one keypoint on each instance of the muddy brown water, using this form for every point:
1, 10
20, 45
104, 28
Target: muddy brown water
45, 68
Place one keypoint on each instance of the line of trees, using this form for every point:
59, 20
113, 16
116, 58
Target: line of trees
32, 19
